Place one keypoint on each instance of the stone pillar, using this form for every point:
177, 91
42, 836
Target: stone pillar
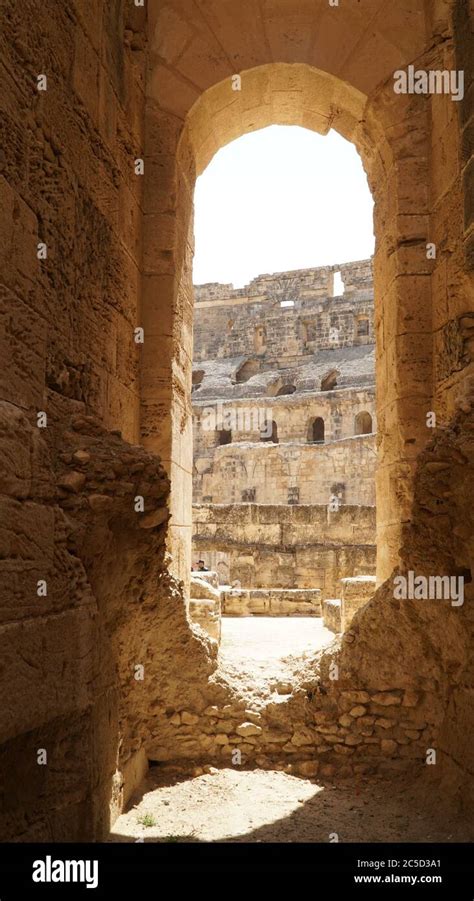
403, 311
166, 316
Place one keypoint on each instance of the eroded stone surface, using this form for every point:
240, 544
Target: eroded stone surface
155, 83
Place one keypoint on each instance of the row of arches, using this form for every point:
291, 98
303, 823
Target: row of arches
277, 389
316, 428
363, 425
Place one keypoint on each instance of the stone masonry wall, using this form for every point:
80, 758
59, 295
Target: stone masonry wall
69, 657
81, 581
221, 329
293, 416
362, 704
281, 396
288, 474
278, 546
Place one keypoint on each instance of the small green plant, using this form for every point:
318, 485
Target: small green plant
147, 819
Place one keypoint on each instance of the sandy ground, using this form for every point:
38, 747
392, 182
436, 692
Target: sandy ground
257, 653
270, 806
231, 805
269, 641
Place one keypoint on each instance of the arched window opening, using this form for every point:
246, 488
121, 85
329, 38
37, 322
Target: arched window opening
286, 389
329, 382
269, 432
363, 424
316, 431
246, 371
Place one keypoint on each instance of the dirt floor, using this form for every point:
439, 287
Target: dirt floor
260, 654
232, 805
270, 643
270, 806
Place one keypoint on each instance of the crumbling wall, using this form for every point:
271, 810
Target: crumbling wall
226, 319
68, 325
82, 581
367, 702
92, 662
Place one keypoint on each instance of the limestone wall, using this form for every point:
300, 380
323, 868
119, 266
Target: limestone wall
228, 323
375, 701
278, 546
76, 579
69, 657
293, 416
69, 182
288, 473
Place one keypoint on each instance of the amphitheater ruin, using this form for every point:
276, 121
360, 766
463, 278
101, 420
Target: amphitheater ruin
284, 445
111, 110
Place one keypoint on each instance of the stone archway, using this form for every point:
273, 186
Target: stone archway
296, 93
363, 423
322, 71
315, 431
154, 90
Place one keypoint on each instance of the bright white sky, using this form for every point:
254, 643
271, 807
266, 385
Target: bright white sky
277, 199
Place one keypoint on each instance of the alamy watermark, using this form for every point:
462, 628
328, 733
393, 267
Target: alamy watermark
220, 417
429, 588
429, 81
51, 870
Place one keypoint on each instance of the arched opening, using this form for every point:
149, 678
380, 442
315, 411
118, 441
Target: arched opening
217, 121
329, 381
246, 371
291, 306
316, 431
275, 315
363, 423
286, 389
222, 115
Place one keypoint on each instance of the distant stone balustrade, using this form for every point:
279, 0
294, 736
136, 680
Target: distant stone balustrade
272, 602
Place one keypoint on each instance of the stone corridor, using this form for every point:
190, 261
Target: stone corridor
110, 111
